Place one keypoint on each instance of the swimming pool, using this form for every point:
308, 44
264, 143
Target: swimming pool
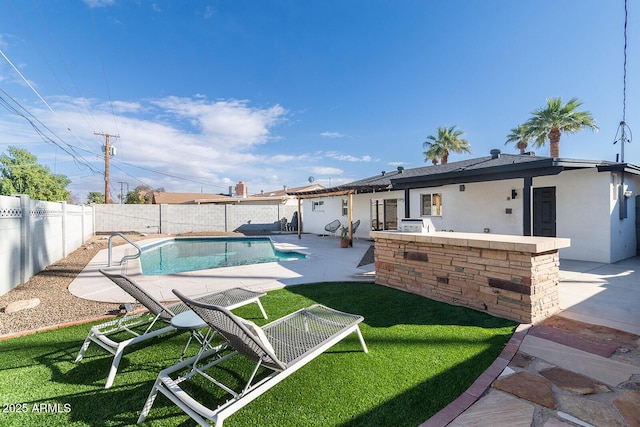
179, 255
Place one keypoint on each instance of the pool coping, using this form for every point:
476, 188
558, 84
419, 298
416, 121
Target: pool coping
321, 252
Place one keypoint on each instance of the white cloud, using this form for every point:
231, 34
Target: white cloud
332, 134
191, 138
225, 122
320, 170
348, 157
126, 107
209, 11
99, 3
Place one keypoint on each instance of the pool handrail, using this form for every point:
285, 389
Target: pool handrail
126, 257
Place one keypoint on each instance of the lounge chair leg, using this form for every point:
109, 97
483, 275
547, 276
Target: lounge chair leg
264, 313
364, 345
149, 403
83, 349
114, 365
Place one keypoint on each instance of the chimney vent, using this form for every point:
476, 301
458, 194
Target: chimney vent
241, 190
495, 153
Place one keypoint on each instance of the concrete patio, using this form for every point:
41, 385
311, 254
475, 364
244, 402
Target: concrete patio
326, 262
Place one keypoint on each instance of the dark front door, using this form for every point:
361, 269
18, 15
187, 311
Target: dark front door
544, 211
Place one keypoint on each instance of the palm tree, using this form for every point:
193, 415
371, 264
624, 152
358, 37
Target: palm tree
520, 137
448, 139
555, 119
433, 153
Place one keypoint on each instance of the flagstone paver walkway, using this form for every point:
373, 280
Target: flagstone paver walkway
578, 368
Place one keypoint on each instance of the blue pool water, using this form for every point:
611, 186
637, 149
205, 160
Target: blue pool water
189, 254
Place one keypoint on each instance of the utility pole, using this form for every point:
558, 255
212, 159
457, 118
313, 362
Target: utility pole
107, 152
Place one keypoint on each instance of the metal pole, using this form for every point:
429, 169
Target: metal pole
107, 152
106, 170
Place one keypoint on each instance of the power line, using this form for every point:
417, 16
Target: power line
104, 71
75, 155
71, 151
51, 38
175, 176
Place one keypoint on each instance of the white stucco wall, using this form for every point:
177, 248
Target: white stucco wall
582, 212
315, 221
480, 206
623, 232
587, 211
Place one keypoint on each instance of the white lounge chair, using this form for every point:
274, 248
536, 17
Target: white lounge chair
140, 326
283, 346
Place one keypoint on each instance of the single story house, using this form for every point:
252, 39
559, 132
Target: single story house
278, 197
591, 202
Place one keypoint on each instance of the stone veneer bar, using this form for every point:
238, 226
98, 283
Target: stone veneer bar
515, 277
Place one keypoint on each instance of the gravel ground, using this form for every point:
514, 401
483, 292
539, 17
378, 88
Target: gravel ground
57, 305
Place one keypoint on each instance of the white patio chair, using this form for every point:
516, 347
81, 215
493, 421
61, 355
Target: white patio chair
282, 346
139, 327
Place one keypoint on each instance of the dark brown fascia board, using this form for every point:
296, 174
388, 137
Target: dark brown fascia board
339, 191
541, 167
619, 167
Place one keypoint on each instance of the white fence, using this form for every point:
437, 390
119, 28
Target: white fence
176, 219
35, 234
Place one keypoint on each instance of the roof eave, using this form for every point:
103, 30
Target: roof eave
619, 167
541, 167
340, 191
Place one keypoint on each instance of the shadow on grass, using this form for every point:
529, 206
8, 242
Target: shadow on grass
382, 306
423, 355
430, 396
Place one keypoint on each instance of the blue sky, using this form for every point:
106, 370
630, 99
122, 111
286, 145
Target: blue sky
204, 94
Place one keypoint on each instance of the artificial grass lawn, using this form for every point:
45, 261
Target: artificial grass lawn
422, 355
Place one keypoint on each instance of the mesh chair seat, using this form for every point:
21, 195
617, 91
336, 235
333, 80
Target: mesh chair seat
333, 226
130, 323
293, 341
304, 330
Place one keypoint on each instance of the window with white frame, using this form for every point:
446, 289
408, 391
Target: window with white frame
345, 207
431, 204
318, 206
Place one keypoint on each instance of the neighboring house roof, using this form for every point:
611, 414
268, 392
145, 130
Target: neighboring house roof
189, 198
286, 191
380, 182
